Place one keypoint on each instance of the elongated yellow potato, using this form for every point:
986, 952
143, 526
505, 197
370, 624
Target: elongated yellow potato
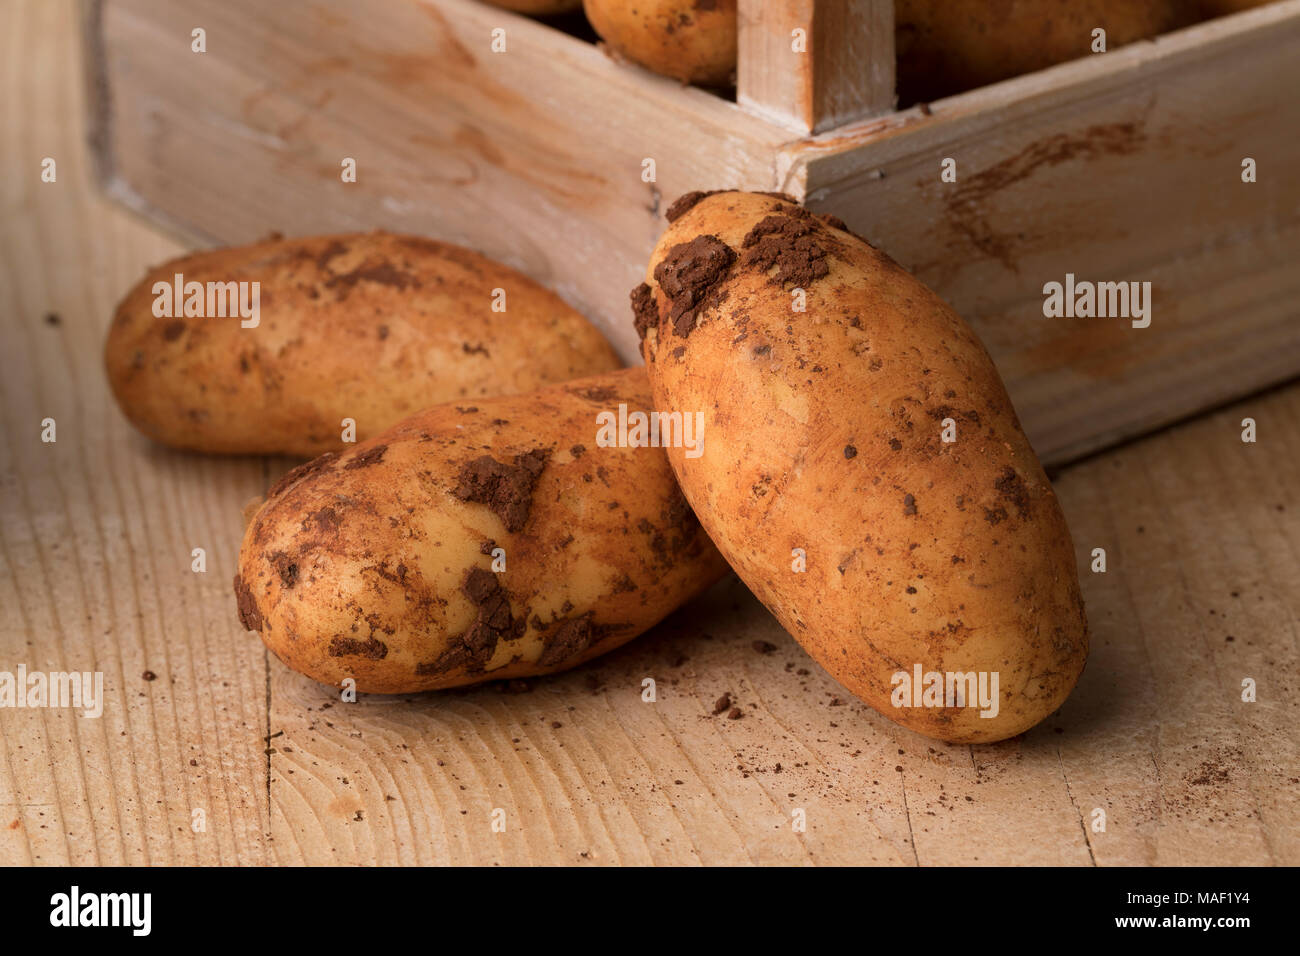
689, 40
830, 379
296, 336
500, 539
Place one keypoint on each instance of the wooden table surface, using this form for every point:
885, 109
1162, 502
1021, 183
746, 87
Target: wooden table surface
210, 752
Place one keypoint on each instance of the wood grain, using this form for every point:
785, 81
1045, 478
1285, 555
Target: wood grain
97, 529
1202, 535
844, 73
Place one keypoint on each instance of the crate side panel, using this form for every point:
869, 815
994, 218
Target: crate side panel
1123, 169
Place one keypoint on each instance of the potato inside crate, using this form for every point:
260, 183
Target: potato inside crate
814, 65
1120, 167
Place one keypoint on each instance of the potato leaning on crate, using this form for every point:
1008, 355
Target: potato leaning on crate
377, 564
824, 434
369, 326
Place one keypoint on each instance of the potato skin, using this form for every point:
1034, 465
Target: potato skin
823, 433
688, 40
334, 312
375, 564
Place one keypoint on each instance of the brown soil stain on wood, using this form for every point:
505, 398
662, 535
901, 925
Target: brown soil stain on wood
967, 210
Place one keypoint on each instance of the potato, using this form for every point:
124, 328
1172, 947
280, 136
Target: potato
377, 564
825, 480
688, 40
944, 47
370, 327
538, 8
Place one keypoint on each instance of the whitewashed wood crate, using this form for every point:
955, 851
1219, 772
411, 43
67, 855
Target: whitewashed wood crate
1123, 166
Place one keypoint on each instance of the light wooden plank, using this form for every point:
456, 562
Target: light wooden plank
813, 65
1125, 166
1203, 545
96, 529
619, 781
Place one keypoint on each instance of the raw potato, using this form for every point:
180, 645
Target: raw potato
371, 327
944, 47
688, 40
823, 433
376, 564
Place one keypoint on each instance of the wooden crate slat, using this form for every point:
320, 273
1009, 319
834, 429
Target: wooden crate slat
844, 73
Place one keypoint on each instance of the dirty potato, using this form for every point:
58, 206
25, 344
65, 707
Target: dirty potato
495, 539
688, 40
831, 380
268, 348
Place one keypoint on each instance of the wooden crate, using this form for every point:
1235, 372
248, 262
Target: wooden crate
1115, 167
